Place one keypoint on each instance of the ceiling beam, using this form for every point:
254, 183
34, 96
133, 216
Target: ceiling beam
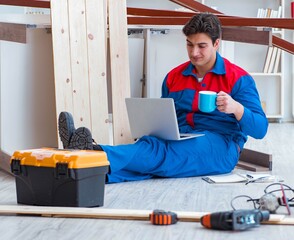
283, 44
286, 23
247, 35
195, 6
27, 3
158, 13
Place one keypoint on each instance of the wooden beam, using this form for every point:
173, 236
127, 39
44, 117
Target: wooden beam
118, 214
158, 13
157, 20
255, 161
79, 50
61, 57
27, 3
13, 32
119, 66
247, 35
283, 44
195, 6
226, 21
78, 42
286, 23
97, 68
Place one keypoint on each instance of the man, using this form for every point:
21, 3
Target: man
238, 115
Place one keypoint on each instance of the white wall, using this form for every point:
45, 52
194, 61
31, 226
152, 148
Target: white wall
136, 59
11, 9
166, 52
152, 4
289, 66
20, 10
28, 118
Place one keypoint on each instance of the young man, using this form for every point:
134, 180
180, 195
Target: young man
238, 115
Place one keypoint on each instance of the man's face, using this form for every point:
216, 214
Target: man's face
201, 51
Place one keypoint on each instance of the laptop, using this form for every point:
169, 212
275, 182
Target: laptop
154, 117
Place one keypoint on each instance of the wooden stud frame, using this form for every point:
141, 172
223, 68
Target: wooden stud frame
247, 35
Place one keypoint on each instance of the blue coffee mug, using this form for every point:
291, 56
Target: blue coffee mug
207, 101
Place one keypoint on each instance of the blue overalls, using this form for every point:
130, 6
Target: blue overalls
217, 151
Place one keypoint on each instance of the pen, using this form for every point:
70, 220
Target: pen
249, 176
260, 179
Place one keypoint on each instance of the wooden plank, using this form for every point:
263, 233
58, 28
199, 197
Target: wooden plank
13, 32
27, 3
61, 56
283, 44
120, 75
79, 33
195, 6
134, 20
255, 161
97, 45
286, 23
118, 214
79, 63
170, 21
251, 167
158, 13
247, 35
238, 34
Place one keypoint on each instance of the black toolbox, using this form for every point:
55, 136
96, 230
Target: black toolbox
53, 177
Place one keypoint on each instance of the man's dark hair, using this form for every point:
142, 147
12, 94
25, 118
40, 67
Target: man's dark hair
204, 23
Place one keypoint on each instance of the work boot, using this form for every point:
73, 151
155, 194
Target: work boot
73, 138
82, 139
66, 128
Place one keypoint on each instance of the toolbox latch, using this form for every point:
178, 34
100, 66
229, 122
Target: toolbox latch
61, 170
15, 167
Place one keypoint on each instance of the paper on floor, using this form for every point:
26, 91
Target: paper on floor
241, 177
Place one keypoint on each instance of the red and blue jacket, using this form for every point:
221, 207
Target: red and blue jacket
181, 84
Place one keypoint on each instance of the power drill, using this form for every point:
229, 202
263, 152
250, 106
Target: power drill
234, 220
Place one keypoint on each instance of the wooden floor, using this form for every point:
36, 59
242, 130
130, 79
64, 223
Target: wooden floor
188, 194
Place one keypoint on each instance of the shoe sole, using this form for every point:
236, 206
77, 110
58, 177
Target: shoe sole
81, 139
66, 128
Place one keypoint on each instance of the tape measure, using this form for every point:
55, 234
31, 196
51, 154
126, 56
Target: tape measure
161, 217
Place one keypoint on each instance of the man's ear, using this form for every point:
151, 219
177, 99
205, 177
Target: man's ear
217, 43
